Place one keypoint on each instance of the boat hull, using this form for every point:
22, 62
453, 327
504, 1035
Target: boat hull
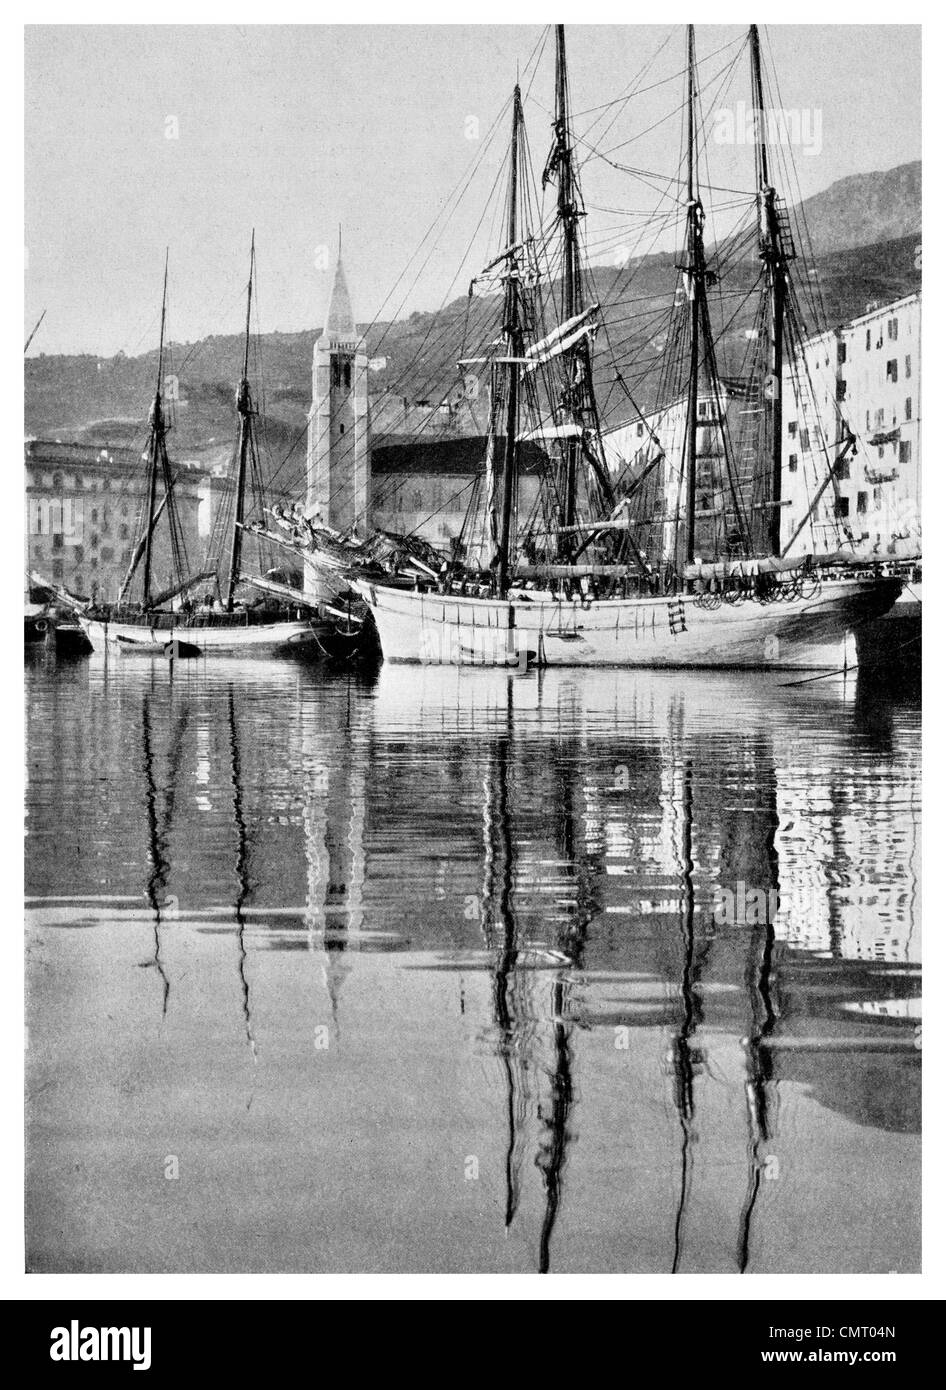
891, 646
689, 631
292, 638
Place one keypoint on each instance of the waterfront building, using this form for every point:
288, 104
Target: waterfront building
84, 507
860, 380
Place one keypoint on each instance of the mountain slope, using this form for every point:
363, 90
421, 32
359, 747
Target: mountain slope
106, 400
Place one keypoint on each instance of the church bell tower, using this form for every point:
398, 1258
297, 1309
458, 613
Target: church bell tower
337, 461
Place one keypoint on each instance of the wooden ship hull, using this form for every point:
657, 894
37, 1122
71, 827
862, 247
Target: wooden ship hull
686, 631
293, 637
891, 646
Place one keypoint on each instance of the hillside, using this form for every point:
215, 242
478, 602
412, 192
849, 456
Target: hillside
865, 209
106, 400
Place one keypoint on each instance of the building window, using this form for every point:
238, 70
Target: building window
95, 515
793, 463
908, 408
841, 389
843, 469
57, 569
892, 369
892, 326
804, 441
861, 503
867, 342
57, 540
842, 354
123, 532
702, 409
879, 419
842, 506
640, 430
867, 419
908, 366
792, 428
906, 450
878, 499
880, 451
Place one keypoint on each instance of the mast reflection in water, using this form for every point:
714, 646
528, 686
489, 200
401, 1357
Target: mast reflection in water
612, 971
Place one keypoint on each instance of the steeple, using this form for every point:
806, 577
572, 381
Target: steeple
340, 322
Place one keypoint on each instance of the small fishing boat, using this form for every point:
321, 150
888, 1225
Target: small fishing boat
223, 620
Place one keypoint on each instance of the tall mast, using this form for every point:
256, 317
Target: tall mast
26, 347
245, 409
696, 289
512, 330
775, 255
571, 269
157, 449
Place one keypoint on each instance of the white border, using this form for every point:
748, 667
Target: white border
14, 1284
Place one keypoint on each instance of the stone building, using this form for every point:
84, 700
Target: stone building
84, 506
862, 379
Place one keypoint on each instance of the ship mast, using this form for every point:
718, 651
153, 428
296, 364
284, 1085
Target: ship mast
577, 397
696, 291
244, 407
512, 332
775, 252
568, 215
156, 452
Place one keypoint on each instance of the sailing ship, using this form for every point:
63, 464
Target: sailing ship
584, 591
224, 622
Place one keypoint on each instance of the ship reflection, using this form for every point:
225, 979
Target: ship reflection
597, 897
159, 826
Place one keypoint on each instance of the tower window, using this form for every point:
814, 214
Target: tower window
347, 376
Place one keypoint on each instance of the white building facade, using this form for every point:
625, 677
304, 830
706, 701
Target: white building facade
862, 379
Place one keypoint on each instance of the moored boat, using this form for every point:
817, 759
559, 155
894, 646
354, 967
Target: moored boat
596, 597
222, 621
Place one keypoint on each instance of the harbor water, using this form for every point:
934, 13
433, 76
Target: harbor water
436, 969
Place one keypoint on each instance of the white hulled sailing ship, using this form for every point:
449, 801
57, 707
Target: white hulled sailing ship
575, 585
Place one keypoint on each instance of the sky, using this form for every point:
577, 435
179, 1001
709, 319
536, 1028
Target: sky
187, 137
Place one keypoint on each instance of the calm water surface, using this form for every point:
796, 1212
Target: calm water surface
455, 970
